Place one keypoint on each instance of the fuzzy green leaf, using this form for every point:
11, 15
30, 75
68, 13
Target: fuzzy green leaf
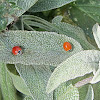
6, 84
66, 91
59, 27
37, 47
23, 6
96, 77
96, 33
75, 66
44, 5
36, 77
72, 31
17, 80
3, 19
90, 94
28, 98
0, 94
19, 84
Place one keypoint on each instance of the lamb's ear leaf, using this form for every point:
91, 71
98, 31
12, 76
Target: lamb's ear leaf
66, 91
11, 10
96, 34
35, 78
59, 27
96, 77
77, 65
23, 6
37, 47
44, 5
28, 98
6, 84
19, 83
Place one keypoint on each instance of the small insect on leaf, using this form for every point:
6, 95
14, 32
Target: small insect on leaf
67, 46
17, 50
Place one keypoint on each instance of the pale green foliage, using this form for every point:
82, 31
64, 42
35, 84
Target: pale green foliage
37, 47
6, 84
28, 98
72, 31
44, 5
19, 84
77, 65
59, 27
66, 91
90, 94
11, 9
57, 19
23, 5
0, 94
96, 33
36, 77
96, 77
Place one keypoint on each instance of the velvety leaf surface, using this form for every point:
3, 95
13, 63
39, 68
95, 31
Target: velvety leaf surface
11, 10
6, 84
3, 20
77, 65
96, 34
72, 31
59, 27
23, 6
19, 84
28, 98
44, 5
66, 91
37, 47
96, 77
36, 77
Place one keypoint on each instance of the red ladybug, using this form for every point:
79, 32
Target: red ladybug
67, 46
17, 50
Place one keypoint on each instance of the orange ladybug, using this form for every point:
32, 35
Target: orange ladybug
17, 50
67, 46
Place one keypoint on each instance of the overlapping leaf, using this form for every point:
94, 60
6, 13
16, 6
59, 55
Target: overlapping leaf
36, 77
96, 34
37, 47
6, 84
59, 27
75, 66
20, 84
23, 6
3, 20
96, 77
44, 5
66, 91
28, 98
11, 9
